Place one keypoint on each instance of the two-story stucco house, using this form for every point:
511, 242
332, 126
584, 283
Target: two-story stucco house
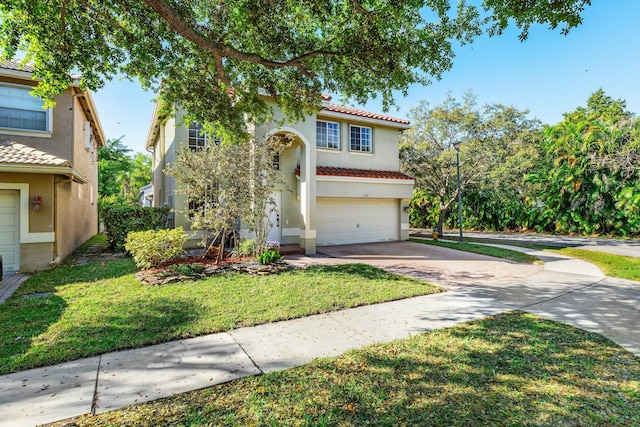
343, 183
48, 172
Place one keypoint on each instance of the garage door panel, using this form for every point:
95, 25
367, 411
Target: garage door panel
9, 230
342, 221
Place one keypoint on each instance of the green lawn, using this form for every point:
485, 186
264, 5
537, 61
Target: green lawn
507, 254
623, 267
513, 369
99, 308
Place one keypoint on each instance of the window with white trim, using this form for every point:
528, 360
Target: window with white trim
360, 139
327, 135
21, 110
198, 138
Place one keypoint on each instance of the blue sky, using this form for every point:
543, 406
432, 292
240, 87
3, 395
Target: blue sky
548, 74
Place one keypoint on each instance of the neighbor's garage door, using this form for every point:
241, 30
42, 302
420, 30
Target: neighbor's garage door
9, 242
341, 221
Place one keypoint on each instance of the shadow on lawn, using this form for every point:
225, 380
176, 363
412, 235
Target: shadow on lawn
510, 369
23, 320
48, 280
149, 322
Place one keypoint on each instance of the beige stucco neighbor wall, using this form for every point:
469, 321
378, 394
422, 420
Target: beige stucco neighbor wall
58, 141
35, 256
69, 209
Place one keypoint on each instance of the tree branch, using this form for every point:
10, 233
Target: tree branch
183, 27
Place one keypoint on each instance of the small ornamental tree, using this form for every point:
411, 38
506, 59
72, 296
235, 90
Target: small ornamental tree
226, 182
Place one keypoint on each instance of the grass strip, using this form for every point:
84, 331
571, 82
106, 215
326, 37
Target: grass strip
514, 369
99, 308
493, 251
612, 265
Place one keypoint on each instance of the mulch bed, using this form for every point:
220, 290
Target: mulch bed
197, 267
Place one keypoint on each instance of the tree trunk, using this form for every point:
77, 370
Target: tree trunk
441, 217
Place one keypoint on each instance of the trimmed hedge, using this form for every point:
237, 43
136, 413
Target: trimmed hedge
151, 248
121, 220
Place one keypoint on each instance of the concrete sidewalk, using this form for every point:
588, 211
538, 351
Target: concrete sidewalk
114, 380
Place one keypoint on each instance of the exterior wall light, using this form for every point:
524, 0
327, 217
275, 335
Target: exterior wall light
36, 203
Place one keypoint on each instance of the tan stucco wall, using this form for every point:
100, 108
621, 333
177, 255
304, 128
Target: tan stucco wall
35, 256
76, 218
374, 190
68, 209
385, 149
57, 142
39, 185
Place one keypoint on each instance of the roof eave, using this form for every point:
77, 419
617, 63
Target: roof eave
360, 119
68, 171
154, 128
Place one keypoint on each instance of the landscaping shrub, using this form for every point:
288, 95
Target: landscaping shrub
269, 256
120, 220
151, 248
247, 247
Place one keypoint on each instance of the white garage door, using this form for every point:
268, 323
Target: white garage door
9, 226
341, 221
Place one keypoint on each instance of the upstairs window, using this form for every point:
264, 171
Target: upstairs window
198, 139
360, 139
21, 110
327, 135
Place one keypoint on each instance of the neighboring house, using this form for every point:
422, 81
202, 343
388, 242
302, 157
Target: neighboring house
48, 172
145, 195
343, 183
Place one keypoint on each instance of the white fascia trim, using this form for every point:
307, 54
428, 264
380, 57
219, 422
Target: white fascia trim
47, 170
25, 236
358, 119
362, 180
155, 123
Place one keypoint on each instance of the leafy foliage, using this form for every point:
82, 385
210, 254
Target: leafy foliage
488, 139
215, 58
121, 220
227, 181
579, 176
269, 256
151, 248
120, 175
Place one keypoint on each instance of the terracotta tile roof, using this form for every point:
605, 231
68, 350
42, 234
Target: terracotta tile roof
366, 114
19, 154
15, 65
358, 173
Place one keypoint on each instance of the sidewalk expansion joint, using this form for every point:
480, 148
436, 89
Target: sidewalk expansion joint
94, 401
564, 294
247, 354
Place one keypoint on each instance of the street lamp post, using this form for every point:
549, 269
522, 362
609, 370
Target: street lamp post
457, 147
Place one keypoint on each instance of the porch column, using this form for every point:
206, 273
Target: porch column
308, 198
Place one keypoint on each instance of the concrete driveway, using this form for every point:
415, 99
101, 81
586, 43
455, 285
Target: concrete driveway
451, 269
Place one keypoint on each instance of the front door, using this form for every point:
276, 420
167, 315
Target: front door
9, 230
273, 212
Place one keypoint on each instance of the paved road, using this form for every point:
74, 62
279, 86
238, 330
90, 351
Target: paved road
630, 247
565, 289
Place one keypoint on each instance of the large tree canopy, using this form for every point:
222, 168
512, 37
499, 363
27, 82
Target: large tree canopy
215, 56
